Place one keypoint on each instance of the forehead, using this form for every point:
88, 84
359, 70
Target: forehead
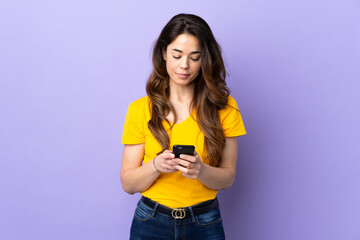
185, 43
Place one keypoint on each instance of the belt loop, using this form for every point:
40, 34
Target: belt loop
192, 214
154, 210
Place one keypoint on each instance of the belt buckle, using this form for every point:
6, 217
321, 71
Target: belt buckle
178, 213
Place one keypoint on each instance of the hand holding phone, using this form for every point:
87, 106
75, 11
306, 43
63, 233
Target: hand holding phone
190, 165
183, 149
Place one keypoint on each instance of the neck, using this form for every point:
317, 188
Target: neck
182, 94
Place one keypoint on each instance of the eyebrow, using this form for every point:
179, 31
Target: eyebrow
177, 50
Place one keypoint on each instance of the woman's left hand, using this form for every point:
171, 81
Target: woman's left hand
189, 166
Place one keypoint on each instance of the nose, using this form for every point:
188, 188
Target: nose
184, 64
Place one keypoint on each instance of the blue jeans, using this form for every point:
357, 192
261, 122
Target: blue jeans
149, 224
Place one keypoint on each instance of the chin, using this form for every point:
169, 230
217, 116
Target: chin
183, 82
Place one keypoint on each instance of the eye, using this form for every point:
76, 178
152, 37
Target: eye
195, 59
176, 57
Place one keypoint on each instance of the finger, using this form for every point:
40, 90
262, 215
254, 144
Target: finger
167, 154
171, 162
170, 168
186, 172
182, 169
196, 155
182, 162
188, 157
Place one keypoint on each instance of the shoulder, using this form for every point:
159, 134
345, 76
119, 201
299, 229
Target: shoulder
230, 111
140, 108
144, 101
230, 106
135, 122
231, 120
232, 102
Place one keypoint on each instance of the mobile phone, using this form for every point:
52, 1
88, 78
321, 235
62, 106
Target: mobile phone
183, 149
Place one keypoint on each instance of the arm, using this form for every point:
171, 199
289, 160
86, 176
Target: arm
136, 177
221, 177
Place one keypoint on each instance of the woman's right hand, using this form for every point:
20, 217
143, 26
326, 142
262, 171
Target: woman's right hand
165, 163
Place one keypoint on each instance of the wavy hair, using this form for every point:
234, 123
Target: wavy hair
211, 93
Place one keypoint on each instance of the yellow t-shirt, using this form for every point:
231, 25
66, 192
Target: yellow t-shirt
173, 189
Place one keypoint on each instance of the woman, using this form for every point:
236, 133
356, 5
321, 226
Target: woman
187, 103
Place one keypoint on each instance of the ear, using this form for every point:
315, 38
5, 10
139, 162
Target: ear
164, 54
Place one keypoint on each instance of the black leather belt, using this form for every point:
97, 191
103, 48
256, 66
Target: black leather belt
180, 213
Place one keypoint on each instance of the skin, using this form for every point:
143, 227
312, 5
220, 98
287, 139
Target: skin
183, 64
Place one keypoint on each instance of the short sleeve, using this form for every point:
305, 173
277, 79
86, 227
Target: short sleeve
231, 119
133, 131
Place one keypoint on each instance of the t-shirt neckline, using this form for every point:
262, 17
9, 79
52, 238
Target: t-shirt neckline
185, 120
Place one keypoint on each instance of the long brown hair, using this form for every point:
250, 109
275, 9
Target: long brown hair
211, 93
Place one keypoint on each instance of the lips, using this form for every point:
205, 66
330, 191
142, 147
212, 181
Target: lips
182, 75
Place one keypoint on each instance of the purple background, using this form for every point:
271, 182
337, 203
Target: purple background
69, 69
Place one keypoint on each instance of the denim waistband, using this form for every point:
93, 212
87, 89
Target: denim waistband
180, 213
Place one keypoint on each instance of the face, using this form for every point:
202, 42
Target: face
183, 59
